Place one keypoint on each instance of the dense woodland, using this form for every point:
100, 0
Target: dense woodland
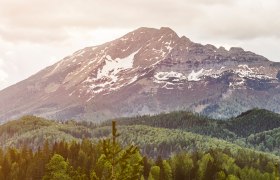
177, 145
88, 160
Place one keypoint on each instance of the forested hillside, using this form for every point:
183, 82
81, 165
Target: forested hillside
104, 160
245, 147
256, 128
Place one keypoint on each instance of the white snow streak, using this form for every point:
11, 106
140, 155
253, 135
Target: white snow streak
113, 67
195, 76
164, 76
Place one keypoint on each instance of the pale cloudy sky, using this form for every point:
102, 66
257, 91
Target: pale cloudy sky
38, 33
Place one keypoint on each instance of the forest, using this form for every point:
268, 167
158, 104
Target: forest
176, 145
87, 160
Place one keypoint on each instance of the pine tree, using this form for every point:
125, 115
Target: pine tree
117, 163
154, 173
203, 166
146, 167
182, 165
57, 169
166, 170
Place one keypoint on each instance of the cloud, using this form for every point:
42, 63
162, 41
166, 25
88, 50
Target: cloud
3, 74
49, 21
32, 35
45, 20
1, 62
242, 20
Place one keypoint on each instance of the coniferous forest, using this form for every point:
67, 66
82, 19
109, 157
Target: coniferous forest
178, 145
87, 160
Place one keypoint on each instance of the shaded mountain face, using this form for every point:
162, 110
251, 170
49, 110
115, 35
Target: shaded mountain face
147, 71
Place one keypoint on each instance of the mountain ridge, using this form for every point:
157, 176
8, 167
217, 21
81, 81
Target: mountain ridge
146, 71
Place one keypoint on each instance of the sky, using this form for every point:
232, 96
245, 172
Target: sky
37, 33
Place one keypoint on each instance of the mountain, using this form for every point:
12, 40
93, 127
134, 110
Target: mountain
147, 71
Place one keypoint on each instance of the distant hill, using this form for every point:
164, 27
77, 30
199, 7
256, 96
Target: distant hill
253, 121
163, 133
249, 122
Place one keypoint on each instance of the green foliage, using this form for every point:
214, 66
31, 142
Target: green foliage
154, 173
253, 121
88, 160
57, 169
268, 141
178, 145
204, 164
166, 171
221, 175
256, 128
126, 162
182, 166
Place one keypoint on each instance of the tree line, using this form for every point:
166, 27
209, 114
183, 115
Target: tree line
87, 160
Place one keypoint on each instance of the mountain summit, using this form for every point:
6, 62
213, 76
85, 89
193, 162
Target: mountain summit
147, 71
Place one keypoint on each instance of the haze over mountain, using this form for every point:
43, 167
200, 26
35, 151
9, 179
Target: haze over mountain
146, 71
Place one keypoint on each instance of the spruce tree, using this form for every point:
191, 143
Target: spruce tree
117, 163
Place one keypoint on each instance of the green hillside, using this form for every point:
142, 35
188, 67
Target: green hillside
73, 150
253, 121
177, 145
164, 133
268, 141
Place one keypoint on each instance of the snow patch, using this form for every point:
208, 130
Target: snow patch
195, 76
160, 38
124, 39
164, 76
72, 93
169, 48
237, 84
133, 80
113, 67
245, 71
167, 85
123, 50
107, 78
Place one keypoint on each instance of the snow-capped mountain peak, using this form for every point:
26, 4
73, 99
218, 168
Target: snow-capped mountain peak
145, 71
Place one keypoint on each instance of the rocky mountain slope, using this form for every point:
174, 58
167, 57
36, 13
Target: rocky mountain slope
147, 71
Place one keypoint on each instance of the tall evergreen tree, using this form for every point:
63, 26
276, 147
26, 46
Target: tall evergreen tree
57, 169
